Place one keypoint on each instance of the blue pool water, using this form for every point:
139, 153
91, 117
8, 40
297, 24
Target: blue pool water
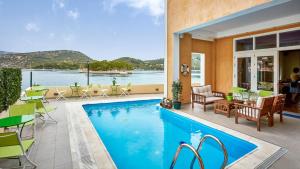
140, 135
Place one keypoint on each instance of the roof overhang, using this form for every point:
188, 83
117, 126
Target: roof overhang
271, 14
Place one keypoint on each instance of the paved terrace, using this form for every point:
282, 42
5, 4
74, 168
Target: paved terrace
52, 147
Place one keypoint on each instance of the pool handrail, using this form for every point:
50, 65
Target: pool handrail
203, 139
180, 147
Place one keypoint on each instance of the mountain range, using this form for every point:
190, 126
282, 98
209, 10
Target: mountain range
64, 59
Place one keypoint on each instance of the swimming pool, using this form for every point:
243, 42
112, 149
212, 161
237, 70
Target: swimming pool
139, 134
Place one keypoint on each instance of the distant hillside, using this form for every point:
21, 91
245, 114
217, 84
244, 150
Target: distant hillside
155, 61
156, 64
48, 59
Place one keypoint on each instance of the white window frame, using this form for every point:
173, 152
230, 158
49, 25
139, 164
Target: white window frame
202, 67
253, 54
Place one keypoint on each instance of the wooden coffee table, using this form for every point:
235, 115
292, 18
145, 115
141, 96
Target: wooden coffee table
225, 107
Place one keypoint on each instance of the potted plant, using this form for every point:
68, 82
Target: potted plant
229, 97
177, 90
114, 81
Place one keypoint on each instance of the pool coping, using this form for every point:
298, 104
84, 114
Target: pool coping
88, 150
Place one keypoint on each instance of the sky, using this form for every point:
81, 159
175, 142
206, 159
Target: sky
101, 29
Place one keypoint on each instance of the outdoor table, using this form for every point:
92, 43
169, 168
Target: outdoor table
28, 98
114, 89
75, 89
225, 107
16, 121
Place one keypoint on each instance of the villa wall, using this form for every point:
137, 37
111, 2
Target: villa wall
187, 13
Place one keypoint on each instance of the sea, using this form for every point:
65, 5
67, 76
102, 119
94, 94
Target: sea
68, 77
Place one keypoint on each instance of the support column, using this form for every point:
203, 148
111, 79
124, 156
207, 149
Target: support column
185, 58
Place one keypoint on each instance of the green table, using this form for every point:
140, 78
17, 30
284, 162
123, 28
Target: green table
16, 121
25, 98
39, 88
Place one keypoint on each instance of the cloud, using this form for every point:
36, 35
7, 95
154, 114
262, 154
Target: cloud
58, 4
32, 27
154, 8
73, 14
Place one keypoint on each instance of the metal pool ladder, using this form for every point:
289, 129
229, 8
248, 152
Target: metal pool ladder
196, 152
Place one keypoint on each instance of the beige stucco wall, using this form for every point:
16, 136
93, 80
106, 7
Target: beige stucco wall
182, 14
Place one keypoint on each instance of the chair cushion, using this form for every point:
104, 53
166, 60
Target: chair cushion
213, 98
203, 90
245, 111
260, 99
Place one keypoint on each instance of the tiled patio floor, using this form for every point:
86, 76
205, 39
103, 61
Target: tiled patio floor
52, 148
286, 134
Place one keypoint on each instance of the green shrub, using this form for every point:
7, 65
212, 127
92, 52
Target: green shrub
10, 86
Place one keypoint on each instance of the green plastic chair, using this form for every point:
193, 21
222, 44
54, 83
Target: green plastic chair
21, 109
41, 93
265, 93
30, 93
11, 145
43, 110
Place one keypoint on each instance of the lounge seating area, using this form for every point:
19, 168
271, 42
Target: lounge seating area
204, 95
252, 106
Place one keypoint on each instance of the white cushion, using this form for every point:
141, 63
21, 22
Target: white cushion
213, 98
195, 90
254, 113
203, 90
260, 99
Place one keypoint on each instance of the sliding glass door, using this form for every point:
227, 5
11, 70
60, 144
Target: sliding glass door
256, 70
266, 68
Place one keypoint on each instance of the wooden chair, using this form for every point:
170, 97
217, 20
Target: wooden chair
278, 106
204, 95
255, 112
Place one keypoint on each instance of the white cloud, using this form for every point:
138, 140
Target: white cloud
32, 27
74, 14
154, 8
58, 4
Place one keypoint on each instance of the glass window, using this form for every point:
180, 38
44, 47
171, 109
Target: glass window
244, 73
291, 38
264, 42
244, 44
198, 67
265, 75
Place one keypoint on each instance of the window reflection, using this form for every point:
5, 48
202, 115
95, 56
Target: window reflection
244, 44
264, 42
291, 38
244, 72
265, 75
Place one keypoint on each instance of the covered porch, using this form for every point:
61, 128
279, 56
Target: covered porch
237, 49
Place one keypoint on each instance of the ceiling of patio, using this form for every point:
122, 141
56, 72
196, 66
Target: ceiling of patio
272, 14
